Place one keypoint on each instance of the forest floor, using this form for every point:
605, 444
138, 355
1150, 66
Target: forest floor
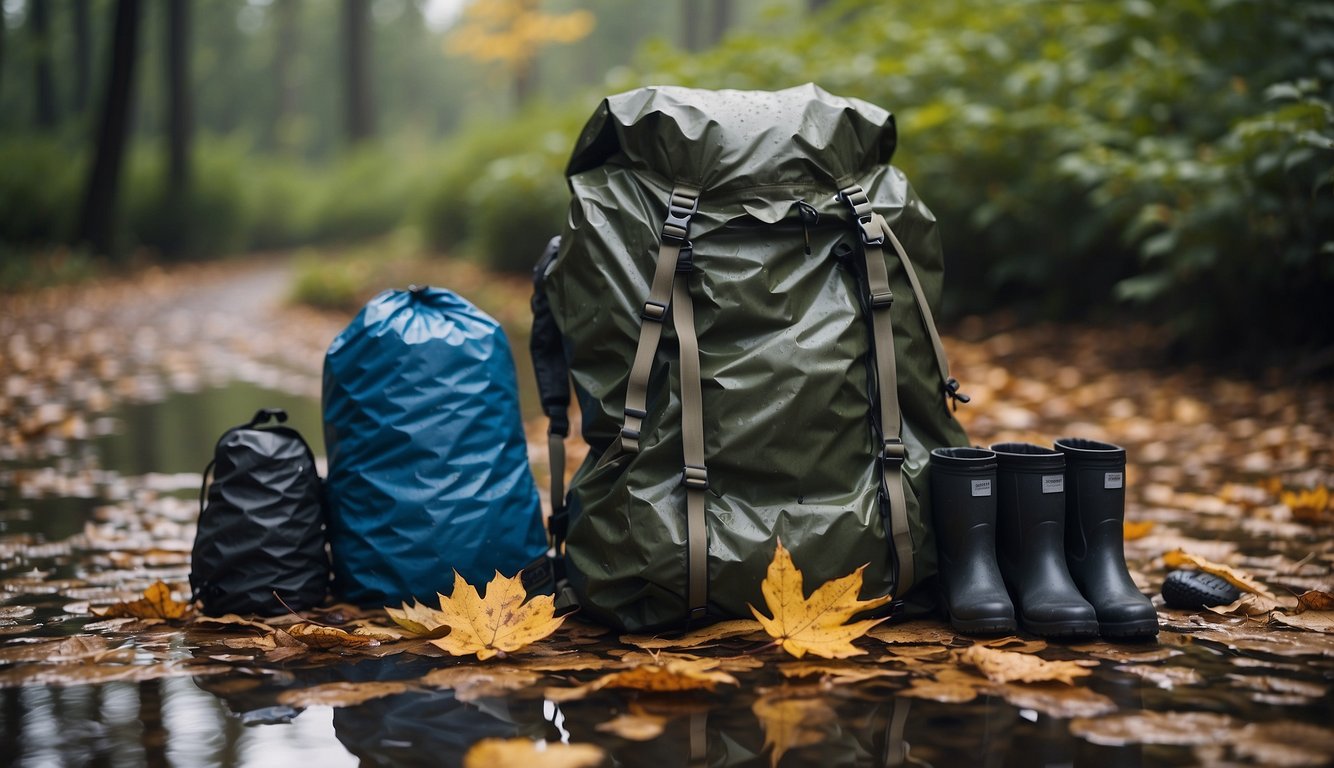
1235, 474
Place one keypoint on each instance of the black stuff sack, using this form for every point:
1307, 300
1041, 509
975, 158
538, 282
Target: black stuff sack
260, 547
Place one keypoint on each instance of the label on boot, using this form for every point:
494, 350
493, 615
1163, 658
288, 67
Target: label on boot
982, 487
1053, 483
1113, 480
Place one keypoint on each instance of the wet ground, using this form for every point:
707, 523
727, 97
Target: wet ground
113, 395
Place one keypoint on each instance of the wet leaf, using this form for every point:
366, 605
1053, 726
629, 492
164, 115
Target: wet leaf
837, 673
1007, 667
505, 753
1177, 728
328, 638
1137, 529
954, 691
1055, 700
817, 624
1312, 505
1250, 604
705, 635
911, 632
1315, 621
1167, 677
1315, 600
1284, 744
470, 683
419, 619
501, 623
670, 675
155, 604
1178, 558
637, 725
340, 694
790, 723
230, 620
1276, 684
1125, 654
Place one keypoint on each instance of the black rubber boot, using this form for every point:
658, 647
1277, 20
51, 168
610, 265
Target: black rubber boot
1030, 526
963, 503
1095, 503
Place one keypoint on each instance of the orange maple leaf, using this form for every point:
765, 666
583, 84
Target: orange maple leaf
155, 604
817, 624
501, 623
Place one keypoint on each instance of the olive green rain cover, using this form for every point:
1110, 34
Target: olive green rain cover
785, 348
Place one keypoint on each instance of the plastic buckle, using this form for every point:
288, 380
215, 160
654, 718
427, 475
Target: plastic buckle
696, 477
882, 300
893, 451
679, 210
654, 311
685, 260
866, 226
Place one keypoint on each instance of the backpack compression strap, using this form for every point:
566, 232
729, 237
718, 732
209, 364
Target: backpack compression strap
670, 286
892, 450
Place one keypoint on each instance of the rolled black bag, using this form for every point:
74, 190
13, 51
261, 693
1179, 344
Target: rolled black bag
260, 547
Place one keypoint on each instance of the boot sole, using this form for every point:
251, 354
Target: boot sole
984, 626
1141, 629
1062, 629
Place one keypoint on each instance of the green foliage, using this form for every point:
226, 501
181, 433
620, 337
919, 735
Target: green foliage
40, 189
215, 214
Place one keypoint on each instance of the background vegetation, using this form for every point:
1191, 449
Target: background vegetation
1104, 159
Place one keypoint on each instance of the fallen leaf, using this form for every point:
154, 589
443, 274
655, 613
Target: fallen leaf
1310, 505
1315, 621
1059, 701
790, 723
340, 694
230, 620
947, 692
912, 632
1137, 529
570, 662
837, 673
502, 623
1178, 558
721, 663
635, 726
1007, 667
1275, 684
710, 634
470, 683
155, 604
1315, 600
504, 753
1014, 644
667, 675
1251, 604
1284, 744
1146, 727
419, 619
1120, 653
327, 638
1167, 677
816, 624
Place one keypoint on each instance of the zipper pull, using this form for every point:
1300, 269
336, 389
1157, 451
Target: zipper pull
809, 218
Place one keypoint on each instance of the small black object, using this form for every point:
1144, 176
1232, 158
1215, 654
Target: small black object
1197, 589
260, 547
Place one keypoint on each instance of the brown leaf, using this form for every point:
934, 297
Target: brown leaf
1314, 621
1315, 600
635, 726
1167, 677
666, 675
504, 753
1177, 728
1121, 653
155, 604
327, 638
1054, 700
919, 631
1284, 744
1007, 667
1250, 604
947, 691
836, 672
710, 634
790, 723
501, 623
817, 624
340, 694
230, 620
475, 682
1178, 558
1137, 529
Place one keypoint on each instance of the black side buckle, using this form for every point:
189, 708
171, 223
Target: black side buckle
865, 226
696, 477
654, 311
893, 451
685, 260
679, 210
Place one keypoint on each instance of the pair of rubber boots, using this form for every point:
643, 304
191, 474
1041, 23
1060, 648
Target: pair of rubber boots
1046, 523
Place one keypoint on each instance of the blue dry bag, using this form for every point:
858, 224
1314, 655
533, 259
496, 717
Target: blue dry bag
428, 466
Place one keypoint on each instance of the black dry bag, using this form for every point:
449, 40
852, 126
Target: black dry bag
260, 547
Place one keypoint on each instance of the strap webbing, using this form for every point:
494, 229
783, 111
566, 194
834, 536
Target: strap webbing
892, 451
696, 474
682, 205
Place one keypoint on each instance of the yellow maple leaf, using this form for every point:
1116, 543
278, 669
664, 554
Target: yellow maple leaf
418, 619
1243, 581
499, 624
816, 624
155, 604
1007, 666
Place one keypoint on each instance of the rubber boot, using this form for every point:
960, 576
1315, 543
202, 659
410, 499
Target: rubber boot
963, 502
1030, 525
1095, 504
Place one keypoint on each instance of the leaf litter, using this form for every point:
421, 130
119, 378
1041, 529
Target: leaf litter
1246, 489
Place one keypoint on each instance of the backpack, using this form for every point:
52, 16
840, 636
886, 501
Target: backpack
259, 547
428, 464
752, 350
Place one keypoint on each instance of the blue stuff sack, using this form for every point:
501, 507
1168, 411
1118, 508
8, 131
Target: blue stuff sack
428, 464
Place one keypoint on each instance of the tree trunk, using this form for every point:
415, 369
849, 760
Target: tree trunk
284, 74
722, 21
83, 54
97, 219
45, 85
692, 25
176, 204
2, 49
359, 115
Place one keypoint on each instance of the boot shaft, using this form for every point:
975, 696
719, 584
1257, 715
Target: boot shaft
1030, 492
1095, 496
963, 497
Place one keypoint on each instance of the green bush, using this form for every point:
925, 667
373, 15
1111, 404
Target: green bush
40, 191
215, 215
